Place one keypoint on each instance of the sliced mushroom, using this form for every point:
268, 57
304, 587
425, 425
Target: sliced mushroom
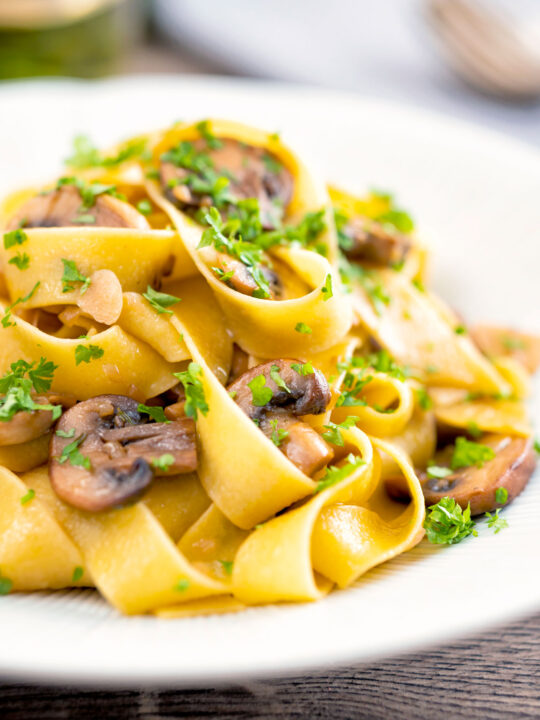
63, 208
103, 299
242, 280
29, 425
253, 172
505, 342
305, 395
373, 242
511, 468
124, 451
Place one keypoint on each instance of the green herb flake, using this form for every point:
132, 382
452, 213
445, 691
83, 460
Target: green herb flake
501, 495
66, 434
335, 474
20, 260
193, 387
5, 585
14, 237
333, 431
513, 343
163, 462
536, 446
16, 389
182, 585
423, 399
260, 392
278, 434
144, 207
419, 285
28, 497
437, 471
86, 353
303, 369
447, 524
211, 140
495, 522
160, 301
227, 565
156, 412
468, 453
85, 219
272, 164
327, 290
78, 572
460, 330
7, 320
473, 429
72, 275
73, 455
303, 329
276, 377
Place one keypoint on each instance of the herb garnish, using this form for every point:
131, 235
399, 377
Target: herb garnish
5, 585
72, 275
85, 353
423, 399
78, 572
278, 434
260, 392
495, 522
182, 585
20, 260
335, 474
327, 290
193, 387
144, 206
276, 377
467, 453
16, 389
303, 329
28, 497
72, 454
160, 301
501, 495
333, 430
304, 369
447, 524
14, 237
163, 462
156, 412
6, 318
86, 155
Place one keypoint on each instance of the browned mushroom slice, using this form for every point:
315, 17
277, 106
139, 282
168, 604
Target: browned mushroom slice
63, 208
502, 342
107, 452
238, 276
511, 468
29, 425
372, 242
253, 172
279, 417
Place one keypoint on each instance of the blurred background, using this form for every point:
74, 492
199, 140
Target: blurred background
465, 58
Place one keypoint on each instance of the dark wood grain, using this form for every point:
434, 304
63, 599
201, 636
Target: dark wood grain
494, 676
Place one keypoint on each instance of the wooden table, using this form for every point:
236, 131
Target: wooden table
493, 676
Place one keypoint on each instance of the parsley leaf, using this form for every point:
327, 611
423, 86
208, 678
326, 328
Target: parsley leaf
72, 275
460, 330
30, 495
78, 572
447, 524
5, 585
335, 474
278, 434
260, 391
276, 377
368, 280
227, 566
495, 522
154, 411
423, 399
333, 433
327, 290
86, 155
211, 140
501, 495
438, 471
64, 434
85, 353
14, 237
537, 446
7, 320
144, 206
160, 301
20, 260
193, 387
182, 585
467, 453
72, 454
17, 389
163, 462
303, 329
303, 369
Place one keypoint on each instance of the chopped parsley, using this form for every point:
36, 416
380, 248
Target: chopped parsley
278, 434
227, 566
473, 429
16, 389
85, 219
89, 193
501, 495
419, 285
5, 585
272, 164
64, 434
72, 275
423, 399
335, 474
438, 471
144, 207
78, 572
495, 522
86, 155
333, 430
156, 412
367, 279
303, 329
211, 140
513, 343
222, 275
536, 446
7, 320
260, 392
393, 215
193, 387
160, 301
182, 585
163, 462
28, 497
276, 377
327, 290
14, 237
467, 453
460, 330
20, 260
73, 455
303, 369
447, 524
85, 353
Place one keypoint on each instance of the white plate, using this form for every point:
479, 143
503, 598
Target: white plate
476, 195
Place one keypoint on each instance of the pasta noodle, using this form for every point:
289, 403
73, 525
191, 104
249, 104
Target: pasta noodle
223, 384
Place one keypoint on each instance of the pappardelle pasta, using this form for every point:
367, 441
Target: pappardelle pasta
224, 384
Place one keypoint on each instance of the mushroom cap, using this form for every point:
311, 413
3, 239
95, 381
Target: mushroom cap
122, 448
243, 281
306, 395
254, 172
62, 207
511, 468
373, 242
29, 425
